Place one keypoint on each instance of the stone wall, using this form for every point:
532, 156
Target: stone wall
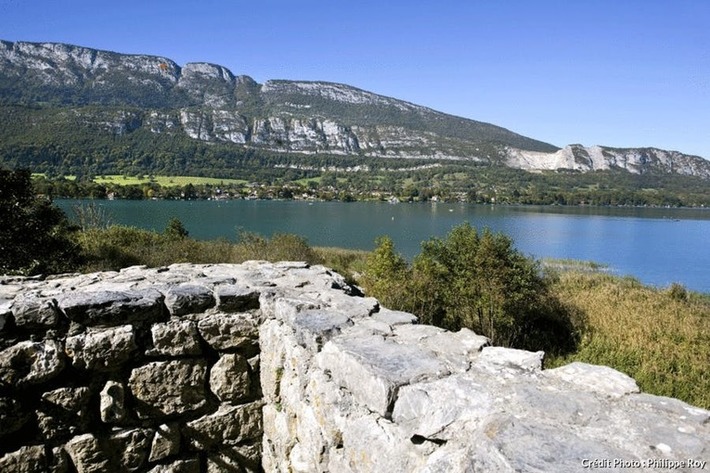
282, 367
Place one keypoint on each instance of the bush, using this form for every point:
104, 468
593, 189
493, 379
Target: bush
35, 236
477, 281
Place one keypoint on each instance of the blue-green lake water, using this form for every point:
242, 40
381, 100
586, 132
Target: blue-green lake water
657, 246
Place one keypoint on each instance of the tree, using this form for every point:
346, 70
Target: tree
175, 230
477, 281
34, 234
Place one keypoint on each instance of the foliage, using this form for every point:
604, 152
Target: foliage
175, 230
386, 274
34, 235
120, 246
91, 215
477, 281
654, 335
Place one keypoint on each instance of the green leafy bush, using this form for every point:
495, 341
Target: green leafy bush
34, 234
478, 281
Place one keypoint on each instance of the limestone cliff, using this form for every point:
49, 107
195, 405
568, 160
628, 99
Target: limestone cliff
119, 93
283, 368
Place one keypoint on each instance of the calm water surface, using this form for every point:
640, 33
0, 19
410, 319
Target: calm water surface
658, 246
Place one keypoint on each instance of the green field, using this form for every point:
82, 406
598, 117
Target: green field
165, 181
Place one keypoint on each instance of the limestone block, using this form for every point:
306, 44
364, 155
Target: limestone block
457, 350
64, 412
441, 409
32, 311
25, 460
165, 388
394, 317
175, 338
87, 455
271, 359
373, 368
315, 327
111, 307
499, 358
60, 462
166, 442
31, 363
188, 299
531, 445
599, 379
12, 415
102, 349
232, 298
112, 398
229, 331
242, 458
131, 448
179, 466
230, 378
229, 425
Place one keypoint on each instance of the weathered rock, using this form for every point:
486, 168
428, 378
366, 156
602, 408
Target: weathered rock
166, 442
498, 358
188, 299
230, 425
372, 368
64, 412
394, 317
315, 327
112, 402
175, 338
229, 331
102, 349
30, 363
232, 298
111, 308
87, 455
131, 448
599, 379
33, 311
241, 458
230, 378
25, 460
164, 388
179, 466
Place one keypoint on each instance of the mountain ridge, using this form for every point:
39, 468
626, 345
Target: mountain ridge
120, 94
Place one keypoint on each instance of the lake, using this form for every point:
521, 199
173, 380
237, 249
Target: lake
657, 246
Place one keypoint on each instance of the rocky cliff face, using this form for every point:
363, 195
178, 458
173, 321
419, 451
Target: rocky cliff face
202, 368
594, 158
209, 103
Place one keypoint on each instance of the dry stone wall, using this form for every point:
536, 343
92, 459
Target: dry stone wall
284, 367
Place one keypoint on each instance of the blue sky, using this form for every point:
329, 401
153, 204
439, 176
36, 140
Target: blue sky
613, 72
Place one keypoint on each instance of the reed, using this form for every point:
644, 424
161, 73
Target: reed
660, 337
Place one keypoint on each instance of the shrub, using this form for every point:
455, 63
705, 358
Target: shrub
35, 236
477, 281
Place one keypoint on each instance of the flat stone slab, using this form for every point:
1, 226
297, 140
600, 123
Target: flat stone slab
110, 308
373, 368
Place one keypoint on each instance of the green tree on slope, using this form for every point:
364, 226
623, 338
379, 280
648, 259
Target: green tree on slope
34, 234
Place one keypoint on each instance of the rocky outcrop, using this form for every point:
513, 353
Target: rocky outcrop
599, 158
284, 367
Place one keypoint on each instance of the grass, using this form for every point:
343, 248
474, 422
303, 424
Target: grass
165, 181
660, 337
